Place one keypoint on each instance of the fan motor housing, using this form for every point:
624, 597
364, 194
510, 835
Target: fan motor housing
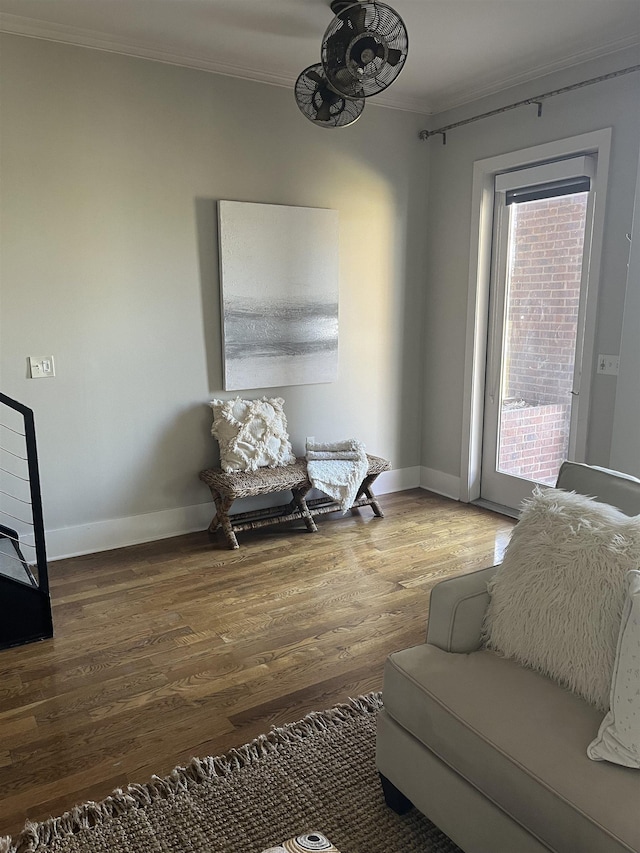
363, 49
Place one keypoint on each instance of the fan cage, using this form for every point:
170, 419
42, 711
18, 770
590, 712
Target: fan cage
312, 95
357, 48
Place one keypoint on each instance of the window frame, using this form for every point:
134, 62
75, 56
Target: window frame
598, 144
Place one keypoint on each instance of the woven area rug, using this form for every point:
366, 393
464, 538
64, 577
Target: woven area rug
316, 774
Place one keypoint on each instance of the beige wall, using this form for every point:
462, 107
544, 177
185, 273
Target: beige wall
111, 168
614, 104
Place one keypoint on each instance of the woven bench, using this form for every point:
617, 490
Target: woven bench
226, 488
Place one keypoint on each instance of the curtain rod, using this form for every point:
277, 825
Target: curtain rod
537, 100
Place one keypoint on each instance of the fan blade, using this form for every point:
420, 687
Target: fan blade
394, 56
357, 15
313, 75
338, 42
324, 113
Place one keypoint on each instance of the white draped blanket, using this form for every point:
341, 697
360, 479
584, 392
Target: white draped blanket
337, 469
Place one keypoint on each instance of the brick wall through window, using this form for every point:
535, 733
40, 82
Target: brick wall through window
547, 241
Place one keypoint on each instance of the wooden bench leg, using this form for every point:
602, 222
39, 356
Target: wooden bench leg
365, 489
215, 521
221, 519
375, 506
301, 503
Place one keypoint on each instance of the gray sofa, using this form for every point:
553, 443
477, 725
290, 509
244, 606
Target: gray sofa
493, 753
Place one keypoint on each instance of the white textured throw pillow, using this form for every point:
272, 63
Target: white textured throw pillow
251, 433
618, 739
556, 601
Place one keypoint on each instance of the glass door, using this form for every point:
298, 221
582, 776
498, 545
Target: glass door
540, 259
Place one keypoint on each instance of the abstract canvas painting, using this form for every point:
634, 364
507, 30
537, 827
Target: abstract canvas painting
279, 292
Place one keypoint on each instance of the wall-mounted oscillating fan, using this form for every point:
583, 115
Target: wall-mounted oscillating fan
323, 105
364, 48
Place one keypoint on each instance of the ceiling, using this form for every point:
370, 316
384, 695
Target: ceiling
459, 50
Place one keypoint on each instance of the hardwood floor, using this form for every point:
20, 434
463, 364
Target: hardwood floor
181, 647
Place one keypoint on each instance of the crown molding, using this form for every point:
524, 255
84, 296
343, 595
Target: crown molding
457, 97
406, 103
65, 34
448, 99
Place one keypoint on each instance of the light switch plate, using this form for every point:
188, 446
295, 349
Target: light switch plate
608, 364
42, 367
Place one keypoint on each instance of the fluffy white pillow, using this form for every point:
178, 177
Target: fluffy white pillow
618, 739
251, 433
557, 600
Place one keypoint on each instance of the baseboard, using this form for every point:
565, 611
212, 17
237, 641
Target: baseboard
440, 483
134, 530
120, 532
398, 480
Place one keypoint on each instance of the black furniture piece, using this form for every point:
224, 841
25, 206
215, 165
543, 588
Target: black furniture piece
25, 604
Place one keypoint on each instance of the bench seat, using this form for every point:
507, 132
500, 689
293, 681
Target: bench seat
227, 488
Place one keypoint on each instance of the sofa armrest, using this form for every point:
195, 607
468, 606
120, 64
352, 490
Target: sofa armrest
457, 610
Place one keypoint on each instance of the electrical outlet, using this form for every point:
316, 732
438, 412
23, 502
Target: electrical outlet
41, 367
608, 364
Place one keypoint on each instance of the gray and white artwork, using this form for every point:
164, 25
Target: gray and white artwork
279, 291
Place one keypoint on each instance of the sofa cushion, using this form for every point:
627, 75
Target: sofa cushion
618, 739
521, 740
610, 487
556, 600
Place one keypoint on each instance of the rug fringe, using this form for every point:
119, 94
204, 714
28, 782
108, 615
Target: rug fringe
199, 770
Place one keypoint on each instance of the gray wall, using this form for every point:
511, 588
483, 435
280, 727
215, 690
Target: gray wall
625, 445
613, 103
111, 168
